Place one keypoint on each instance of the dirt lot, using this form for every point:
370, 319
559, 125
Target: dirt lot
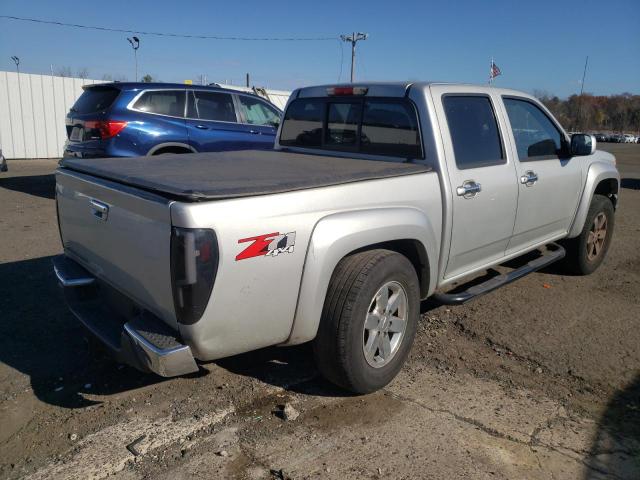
538, 380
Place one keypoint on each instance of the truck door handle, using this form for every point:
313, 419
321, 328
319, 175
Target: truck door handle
255, 132
468, 189
202, 127
99, 210
529, 178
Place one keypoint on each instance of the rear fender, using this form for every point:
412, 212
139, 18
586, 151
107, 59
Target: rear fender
335, 236
598, 172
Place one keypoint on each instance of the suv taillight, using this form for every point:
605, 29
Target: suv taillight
103, 128
194, 263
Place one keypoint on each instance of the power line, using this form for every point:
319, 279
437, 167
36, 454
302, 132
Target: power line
166, 34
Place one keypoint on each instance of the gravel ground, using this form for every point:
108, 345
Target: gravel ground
540, 379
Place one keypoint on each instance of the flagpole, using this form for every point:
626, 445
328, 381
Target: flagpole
491, 72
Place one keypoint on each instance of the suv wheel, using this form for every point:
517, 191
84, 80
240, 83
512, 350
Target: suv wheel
369, 320
586, 252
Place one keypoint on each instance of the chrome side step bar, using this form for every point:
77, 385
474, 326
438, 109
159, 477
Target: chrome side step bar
557, 253
70, 273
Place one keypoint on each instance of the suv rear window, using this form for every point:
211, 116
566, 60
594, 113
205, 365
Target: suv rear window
162, 102
95, 99
376, 126
211, 106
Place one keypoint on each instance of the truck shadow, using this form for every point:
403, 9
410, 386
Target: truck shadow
37, 185
615, 450
291, 368
630, 183
43, 341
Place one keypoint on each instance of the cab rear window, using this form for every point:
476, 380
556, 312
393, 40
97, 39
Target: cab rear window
375, 126
95, 99
302, 124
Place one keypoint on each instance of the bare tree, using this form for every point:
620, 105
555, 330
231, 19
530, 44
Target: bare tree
589, 112
147, 78
64, 71
83, 72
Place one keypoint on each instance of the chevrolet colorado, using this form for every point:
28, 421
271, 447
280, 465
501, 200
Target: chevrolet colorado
376, 196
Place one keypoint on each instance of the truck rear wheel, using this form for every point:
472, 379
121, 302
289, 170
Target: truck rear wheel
368, 321
586, 252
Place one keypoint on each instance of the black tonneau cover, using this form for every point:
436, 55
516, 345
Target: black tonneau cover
210, 176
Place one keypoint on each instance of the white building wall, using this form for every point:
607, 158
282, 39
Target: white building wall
33, 109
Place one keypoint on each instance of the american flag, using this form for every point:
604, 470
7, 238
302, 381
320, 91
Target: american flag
495, 71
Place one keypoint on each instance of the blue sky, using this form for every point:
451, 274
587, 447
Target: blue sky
538, 44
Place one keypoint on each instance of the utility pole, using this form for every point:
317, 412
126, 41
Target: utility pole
247, 79
135, 44
584, 74
353, 39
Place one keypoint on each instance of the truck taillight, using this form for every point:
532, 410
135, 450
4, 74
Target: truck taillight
105, 128
194, 263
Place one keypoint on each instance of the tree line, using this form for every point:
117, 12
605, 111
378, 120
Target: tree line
65, 71
595, 113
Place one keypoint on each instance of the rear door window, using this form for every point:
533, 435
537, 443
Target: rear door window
162, 102
95, 99
302, 124
474, 131
257, 112
390, 128
214, 106
535, 135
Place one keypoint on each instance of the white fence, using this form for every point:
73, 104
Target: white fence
33, 110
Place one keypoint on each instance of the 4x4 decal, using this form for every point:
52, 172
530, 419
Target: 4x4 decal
270, 244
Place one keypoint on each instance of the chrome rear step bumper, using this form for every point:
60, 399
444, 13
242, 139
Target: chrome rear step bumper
70, 273
141, 340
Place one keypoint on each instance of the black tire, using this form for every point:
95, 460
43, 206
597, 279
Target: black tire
577, 260
338, 346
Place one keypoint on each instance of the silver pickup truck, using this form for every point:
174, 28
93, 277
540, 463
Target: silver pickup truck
376, 196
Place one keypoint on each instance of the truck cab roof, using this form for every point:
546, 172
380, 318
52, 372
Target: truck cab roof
398, 88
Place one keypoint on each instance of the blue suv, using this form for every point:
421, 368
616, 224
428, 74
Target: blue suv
135, 119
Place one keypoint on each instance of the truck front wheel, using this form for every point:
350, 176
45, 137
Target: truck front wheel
586, 252
368, 321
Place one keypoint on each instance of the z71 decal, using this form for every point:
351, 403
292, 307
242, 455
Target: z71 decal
270, 244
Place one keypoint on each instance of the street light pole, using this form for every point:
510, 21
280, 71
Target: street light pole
17, 62
353, 39
135, 44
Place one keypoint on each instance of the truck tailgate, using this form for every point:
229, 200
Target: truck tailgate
120, 234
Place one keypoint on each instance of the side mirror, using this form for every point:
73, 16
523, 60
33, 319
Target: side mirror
582, 144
